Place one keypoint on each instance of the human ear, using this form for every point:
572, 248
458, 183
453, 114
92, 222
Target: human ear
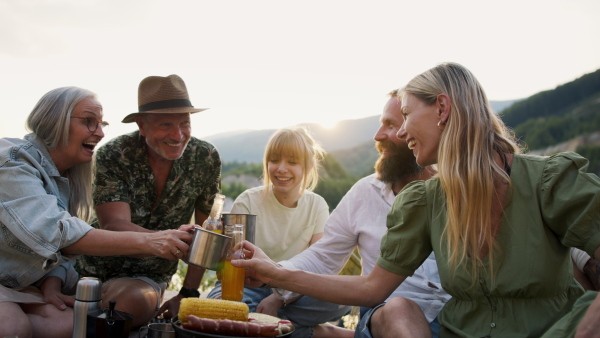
443, 104
139, 120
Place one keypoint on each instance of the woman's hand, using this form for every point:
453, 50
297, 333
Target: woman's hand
50, 288
589, 326
270, 305
258, 265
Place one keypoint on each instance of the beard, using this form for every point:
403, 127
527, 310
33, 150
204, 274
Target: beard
401, 164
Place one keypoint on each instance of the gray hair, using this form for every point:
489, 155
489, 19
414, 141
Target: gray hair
50, 120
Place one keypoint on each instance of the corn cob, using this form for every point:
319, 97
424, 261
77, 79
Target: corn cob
212, 309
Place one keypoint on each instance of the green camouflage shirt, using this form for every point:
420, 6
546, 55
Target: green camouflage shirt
123, 174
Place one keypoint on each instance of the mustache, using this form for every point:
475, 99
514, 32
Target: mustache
387, 145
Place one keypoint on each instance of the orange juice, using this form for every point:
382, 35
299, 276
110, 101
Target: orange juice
218, 231
232, 282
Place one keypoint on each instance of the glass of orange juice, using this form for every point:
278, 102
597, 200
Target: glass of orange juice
232, 278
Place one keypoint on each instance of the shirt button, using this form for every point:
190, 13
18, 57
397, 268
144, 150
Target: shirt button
481, 280
493, 325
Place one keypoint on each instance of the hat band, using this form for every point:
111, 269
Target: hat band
175, 103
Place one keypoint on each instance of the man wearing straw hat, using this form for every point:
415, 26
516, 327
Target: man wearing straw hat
152, 179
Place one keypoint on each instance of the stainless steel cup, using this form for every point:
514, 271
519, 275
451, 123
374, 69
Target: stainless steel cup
247, 220
208, 249
161, 330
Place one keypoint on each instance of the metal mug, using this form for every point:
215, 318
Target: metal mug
208, 249
247, 220
158, 330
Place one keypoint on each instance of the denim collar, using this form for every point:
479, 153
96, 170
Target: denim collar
46, 159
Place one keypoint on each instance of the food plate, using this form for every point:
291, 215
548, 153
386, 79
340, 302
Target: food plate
185, 333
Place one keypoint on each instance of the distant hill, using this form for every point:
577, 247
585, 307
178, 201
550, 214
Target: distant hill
347, 137
563, 119
555, 116
250, 146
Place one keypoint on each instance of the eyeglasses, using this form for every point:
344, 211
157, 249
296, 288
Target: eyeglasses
92, 123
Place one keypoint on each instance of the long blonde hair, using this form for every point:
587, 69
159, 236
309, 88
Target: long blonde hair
472, 135
50, 120
298, 143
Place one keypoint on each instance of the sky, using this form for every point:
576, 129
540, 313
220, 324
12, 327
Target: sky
269, 64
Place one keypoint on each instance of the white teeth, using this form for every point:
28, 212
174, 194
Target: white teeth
412, 144
283, 179
174, 144
93, 144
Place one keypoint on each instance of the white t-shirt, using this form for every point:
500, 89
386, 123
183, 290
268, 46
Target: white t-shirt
283, 232
360, 220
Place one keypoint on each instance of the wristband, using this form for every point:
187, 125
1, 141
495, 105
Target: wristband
187, 293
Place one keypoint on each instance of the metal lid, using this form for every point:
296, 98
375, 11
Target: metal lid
89, 289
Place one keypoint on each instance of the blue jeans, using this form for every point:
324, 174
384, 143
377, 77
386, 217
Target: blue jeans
363, 330
305, 313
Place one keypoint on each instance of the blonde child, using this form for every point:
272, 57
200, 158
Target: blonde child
290, 218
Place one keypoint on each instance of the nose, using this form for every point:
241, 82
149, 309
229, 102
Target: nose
99, 132
401, 134
177, 134
379, 135
281, 167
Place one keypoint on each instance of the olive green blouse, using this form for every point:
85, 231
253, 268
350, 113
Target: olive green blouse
554, 205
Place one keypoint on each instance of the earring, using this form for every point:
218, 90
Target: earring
441, 125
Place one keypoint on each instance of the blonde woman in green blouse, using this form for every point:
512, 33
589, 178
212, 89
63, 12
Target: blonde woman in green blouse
501, 223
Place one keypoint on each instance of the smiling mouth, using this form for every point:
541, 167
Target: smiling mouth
283, 179
90, 145
174, 144
412, 144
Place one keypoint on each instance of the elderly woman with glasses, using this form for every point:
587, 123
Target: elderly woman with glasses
45, 203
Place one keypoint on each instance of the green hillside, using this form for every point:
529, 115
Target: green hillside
358, 161
557, 115
563, 119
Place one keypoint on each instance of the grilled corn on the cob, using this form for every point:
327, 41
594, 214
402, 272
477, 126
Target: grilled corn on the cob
212, 309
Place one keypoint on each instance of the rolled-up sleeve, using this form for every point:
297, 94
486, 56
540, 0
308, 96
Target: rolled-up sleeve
33, 216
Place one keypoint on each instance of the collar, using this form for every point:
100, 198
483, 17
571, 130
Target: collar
46, 159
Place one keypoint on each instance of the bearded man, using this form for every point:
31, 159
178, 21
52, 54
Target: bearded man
359, 220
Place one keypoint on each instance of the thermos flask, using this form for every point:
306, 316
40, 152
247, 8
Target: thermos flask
88, 298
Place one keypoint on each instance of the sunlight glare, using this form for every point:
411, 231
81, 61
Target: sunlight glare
328, 124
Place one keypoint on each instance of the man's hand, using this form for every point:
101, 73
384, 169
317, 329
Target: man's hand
51, 290
170, 308
270, 305
170, 244
253, 282
188, 227
592, 271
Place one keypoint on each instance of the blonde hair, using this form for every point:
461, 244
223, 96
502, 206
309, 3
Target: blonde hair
294, 142
466, 168
50, 120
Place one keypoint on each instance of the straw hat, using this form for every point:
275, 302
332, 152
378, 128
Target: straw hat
162, 95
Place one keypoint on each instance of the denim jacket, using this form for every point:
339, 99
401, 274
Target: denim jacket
34, 220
